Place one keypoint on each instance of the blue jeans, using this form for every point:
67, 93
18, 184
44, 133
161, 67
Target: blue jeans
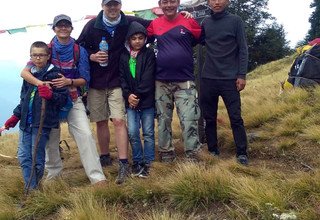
27, 139
145, 119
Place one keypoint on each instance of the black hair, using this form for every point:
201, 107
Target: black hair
40, 44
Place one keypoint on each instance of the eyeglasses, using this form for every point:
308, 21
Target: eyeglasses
38, 55
63, 25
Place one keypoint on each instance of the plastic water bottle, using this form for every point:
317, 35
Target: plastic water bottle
103, 46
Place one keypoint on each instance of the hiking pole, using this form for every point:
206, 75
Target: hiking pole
34, 156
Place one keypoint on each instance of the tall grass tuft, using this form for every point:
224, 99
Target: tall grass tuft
43, 203
7, 205
258, 196
84, 206
162, 215
192, 186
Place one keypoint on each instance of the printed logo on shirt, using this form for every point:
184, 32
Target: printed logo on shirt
182, 31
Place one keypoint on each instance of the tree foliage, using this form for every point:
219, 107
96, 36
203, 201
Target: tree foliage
270, 44
314, 20
265, 42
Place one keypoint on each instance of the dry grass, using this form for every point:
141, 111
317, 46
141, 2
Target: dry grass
283, 175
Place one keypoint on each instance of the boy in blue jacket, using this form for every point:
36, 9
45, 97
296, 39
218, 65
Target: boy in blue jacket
29, 113
137, 75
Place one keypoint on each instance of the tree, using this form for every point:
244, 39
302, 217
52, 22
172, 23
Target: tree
266, 39
314, 20
261, 37
270, 44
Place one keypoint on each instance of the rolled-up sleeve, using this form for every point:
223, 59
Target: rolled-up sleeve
84, 67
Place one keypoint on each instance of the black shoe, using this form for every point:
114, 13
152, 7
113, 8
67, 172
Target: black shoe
123, 172
136, 169
214, 153
105, 160
243, 159
145, 171
167, 157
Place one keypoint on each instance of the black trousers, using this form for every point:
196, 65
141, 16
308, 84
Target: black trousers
211, 89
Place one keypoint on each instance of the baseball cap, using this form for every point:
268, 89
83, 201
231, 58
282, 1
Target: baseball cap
59, 18
107, 1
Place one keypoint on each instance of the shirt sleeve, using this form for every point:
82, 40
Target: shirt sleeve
29, 65
243, 50
83, 66
195, 29
150, 30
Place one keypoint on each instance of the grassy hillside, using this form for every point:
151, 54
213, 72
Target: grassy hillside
282, 180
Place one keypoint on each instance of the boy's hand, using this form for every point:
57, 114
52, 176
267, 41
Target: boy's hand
45, 92
133, 100
11, 122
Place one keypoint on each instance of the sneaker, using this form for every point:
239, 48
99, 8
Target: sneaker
105, 160
145, 171
167, 157
136, 169
100, 184
243, 159
123, 172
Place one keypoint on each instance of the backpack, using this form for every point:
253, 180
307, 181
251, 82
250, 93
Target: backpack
305, 70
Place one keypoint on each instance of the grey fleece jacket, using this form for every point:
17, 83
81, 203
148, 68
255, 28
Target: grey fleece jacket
226, 47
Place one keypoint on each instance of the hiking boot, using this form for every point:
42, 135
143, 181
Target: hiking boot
136, 169
192, 156
243, 159
105, 160
214, 153
145, 171
167, 157
123, 172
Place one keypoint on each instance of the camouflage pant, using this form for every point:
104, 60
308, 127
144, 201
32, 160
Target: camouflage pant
184, 96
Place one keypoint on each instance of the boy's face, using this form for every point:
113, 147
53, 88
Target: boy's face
169, 8
137, 41
218, 5
39, 57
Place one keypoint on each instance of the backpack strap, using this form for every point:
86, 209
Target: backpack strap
76, 52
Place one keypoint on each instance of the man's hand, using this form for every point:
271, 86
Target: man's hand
186, 14
133, 101
11, 122
99, 57
241, 83
45, 92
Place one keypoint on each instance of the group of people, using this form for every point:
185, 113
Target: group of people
137, 85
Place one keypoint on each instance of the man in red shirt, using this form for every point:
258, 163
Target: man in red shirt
175, 36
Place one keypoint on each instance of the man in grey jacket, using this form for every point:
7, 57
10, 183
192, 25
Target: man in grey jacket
224, 74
